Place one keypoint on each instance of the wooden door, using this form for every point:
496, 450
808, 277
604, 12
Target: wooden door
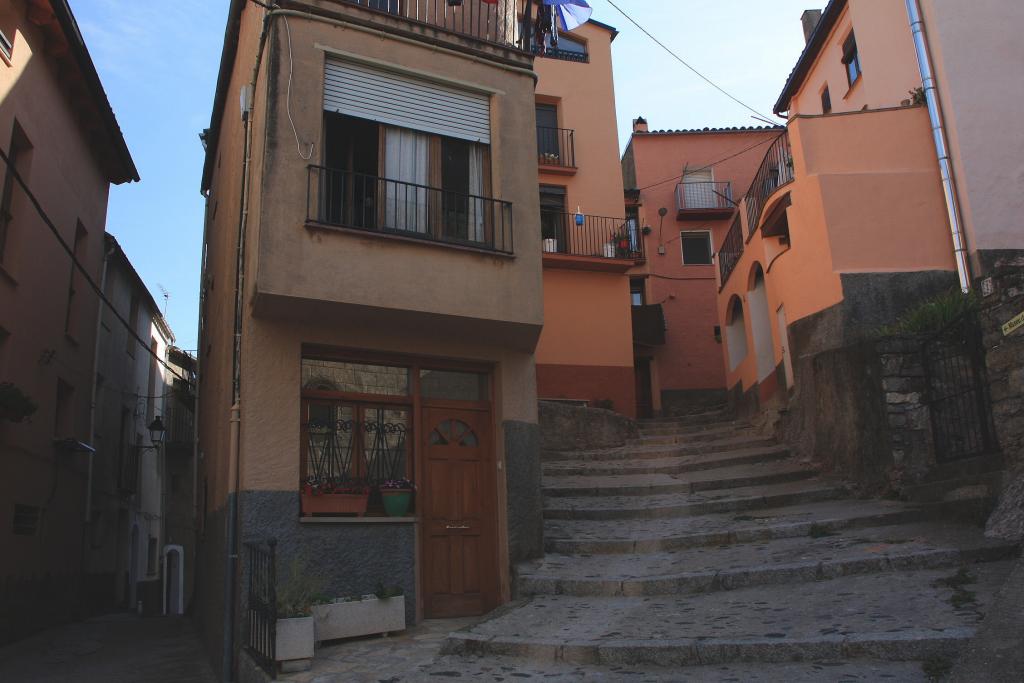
644, 394
459, 516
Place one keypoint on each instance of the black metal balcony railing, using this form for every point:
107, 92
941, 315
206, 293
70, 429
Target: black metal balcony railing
731, 251
495, 23
596, 236
556, 147
363, 202
179, 421
565, 55
704, 196
649, 325
776, 170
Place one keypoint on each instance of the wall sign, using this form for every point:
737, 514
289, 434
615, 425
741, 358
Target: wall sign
1013, 325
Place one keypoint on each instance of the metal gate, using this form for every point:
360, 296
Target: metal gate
261, 611
957, 391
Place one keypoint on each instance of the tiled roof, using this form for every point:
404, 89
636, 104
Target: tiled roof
733, 129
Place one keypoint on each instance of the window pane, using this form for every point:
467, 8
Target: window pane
331, 433
385, 443
453, 386
356, 378
696, 249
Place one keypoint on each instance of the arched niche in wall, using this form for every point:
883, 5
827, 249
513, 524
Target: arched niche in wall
760, 322
736, 333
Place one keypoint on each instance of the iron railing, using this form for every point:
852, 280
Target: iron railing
261, 604
731, 251
776, 170
334, 446
957, 392
496, 23
597, 236
556, 147
365, 202
704, 196
556, 53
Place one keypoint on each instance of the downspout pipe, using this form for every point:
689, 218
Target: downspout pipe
949, 187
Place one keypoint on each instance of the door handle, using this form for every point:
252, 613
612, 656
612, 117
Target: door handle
456, 527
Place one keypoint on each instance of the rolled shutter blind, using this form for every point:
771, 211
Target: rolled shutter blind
401, 100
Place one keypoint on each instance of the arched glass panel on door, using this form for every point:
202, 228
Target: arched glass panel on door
454, 432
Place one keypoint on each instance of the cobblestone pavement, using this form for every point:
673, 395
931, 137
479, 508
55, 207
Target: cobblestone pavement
119, 648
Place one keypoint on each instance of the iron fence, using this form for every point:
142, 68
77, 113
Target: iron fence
261, 605
775, 171
957, 391
365, 202
491, 22
597, 236
731, 251
556, 147
380, 446
704, 196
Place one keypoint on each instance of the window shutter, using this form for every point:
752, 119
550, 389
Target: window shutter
407, 101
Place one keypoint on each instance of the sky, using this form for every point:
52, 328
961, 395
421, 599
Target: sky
158, 62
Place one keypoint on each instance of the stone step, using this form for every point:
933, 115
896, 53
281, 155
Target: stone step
703, 433
675, 464
817, 556
693, 429
583, 536
494, 668
992, 482
693, 418
738, 476
655, 451
703, 503
899, 616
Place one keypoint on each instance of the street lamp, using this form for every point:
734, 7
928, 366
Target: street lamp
156, 432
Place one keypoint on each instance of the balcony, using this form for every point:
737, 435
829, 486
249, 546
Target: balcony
179, 421
563, 54
704, 200
495, 23
556, 150
776, 170
616, 242
355, 201
731, 251
649, 325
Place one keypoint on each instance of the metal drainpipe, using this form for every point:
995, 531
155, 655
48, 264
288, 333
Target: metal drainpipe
949, 188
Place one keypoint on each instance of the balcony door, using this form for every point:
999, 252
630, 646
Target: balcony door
459, 527
553, 218
547, 133
698, 190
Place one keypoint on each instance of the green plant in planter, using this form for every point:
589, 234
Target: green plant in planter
298, 592
383, 593
15, 404
932, 315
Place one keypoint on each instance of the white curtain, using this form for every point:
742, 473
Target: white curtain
406, 159
477, 207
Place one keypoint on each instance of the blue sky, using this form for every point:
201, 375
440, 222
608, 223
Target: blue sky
158, 62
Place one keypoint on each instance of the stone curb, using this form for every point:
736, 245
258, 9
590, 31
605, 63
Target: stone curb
684, 463
783, 477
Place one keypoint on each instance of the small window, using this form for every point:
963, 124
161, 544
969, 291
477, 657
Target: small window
826, 101
453, 386
151, 557
696, 248
851, 59
26, 520
6, 46
637, 295
19, 155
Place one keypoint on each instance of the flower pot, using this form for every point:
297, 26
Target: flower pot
334, 504
360, 617
550, 245
396, 501
295, 640
609, 250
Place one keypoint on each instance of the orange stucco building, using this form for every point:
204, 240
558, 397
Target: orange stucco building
585, 353
683, 186
61, 137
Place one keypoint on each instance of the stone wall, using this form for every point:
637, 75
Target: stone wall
566, 427
523, 485
909, 419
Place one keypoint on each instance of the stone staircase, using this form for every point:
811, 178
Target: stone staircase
704, 551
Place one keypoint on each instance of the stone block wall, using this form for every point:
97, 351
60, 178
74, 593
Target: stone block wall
908, 417
565, 427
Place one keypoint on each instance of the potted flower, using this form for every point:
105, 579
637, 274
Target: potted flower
15, 404
348, 497
295, 630
620, 240
397, 496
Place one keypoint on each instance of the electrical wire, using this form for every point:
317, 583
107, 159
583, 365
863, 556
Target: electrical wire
288, 100
712, 164
684, 63
76, 264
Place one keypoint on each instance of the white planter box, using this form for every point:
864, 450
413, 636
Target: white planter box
363, 617
550, 245
295, 639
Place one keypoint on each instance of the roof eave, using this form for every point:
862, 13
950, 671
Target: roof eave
829, 17
227, 61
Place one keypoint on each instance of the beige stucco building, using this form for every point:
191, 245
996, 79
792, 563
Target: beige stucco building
58, 131
370, 306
